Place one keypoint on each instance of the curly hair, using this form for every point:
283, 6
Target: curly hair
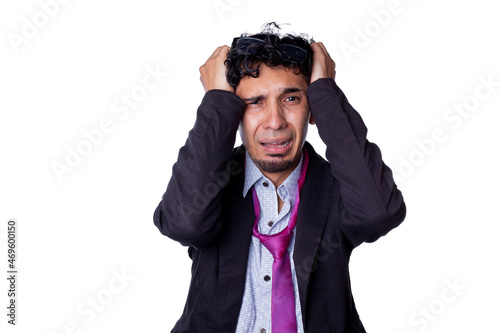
246, 62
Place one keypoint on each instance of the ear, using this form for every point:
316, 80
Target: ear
311, 120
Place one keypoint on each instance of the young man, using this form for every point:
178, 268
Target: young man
270, 225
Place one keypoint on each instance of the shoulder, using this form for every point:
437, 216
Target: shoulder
316, 161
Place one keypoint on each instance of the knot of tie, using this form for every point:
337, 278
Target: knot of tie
278, 244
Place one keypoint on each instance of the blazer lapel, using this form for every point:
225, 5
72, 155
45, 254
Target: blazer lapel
311, 220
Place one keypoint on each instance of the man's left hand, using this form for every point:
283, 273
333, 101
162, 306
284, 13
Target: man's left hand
323, 66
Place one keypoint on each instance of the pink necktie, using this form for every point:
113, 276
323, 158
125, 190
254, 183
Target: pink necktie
283, 315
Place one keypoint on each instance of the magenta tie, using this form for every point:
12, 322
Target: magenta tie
283, 315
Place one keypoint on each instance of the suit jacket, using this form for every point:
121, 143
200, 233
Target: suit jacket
349, 200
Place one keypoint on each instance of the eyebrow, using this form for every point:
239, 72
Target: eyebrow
283, 92
291, 90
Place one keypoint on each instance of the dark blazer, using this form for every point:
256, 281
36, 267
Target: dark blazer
344, 202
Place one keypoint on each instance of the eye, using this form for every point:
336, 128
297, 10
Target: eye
254, 102
292, 99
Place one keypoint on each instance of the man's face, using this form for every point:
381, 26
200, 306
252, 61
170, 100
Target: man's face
274, 125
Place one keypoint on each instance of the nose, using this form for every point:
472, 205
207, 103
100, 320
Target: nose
275, 117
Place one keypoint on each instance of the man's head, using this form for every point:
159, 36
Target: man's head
249, 52
271, 75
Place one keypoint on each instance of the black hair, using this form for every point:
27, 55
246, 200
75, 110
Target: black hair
240, 63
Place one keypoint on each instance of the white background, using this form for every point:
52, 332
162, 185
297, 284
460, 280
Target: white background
75, 234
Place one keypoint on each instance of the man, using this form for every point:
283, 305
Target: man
270, 225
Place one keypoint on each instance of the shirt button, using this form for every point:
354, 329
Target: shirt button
270, 223
267, 278
262, 330
266, 184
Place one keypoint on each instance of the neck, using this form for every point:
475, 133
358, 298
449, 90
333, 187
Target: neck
279, 177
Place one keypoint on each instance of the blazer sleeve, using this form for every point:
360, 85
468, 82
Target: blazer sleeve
371, 204
190, 209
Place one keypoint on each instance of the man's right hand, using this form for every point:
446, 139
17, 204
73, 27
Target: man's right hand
213, 71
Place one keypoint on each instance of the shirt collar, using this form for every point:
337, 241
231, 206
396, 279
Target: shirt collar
253, 174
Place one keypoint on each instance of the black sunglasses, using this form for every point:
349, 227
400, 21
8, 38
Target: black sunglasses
288, 51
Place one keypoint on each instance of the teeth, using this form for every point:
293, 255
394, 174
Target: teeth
277, 144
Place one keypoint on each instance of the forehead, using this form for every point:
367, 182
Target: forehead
271, 80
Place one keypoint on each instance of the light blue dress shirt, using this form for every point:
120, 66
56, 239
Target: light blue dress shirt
255, 312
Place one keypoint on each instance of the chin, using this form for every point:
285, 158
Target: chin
274, 165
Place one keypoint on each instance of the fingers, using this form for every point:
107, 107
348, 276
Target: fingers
215, 58
319, 47
323, 64
219, 52
320, 50
213, 71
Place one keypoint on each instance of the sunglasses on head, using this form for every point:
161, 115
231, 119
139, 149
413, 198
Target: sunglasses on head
288, 51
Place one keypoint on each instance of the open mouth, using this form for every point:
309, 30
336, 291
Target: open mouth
277, 147
279, 144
